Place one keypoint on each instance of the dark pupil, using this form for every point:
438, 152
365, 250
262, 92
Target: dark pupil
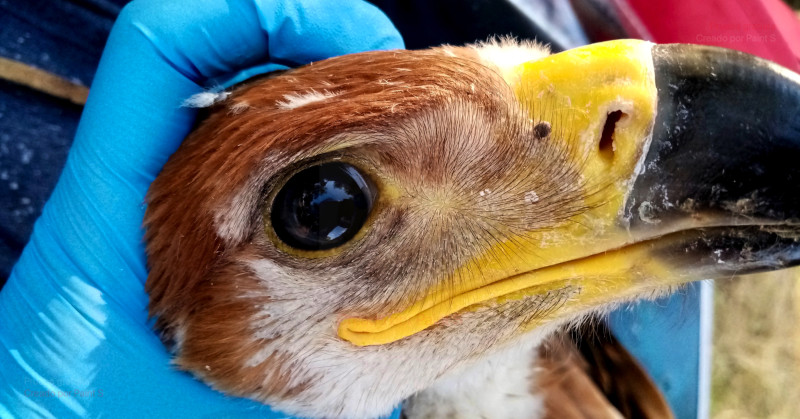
322, 207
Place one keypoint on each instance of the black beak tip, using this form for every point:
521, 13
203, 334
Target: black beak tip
727, 131
725, 150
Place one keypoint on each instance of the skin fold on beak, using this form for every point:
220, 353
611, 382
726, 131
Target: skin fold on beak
690, 160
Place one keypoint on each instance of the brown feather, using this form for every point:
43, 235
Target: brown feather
588, 374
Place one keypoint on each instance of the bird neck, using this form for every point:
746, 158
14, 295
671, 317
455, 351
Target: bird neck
499, 386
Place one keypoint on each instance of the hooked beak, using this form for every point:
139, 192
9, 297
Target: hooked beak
696, 152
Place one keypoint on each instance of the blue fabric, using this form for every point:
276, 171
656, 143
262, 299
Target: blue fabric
63, 37
74, 334
665, 336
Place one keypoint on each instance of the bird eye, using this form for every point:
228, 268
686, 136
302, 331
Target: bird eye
322, 207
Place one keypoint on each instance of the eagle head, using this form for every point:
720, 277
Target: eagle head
335, 238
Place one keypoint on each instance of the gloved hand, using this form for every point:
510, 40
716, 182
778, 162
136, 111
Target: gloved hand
74, 334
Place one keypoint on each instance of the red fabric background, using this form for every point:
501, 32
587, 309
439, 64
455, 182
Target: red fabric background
766, 28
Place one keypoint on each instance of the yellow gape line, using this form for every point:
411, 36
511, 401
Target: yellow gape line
601, 278
581, 87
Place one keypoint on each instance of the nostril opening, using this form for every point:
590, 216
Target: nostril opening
542, 130
607, 146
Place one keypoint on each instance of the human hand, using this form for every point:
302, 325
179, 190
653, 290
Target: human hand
76, 340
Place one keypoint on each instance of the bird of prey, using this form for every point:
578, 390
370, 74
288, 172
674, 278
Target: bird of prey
425, 227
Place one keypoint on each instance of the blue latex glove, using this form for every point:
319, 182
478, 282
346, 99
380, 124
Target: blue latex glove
74, 334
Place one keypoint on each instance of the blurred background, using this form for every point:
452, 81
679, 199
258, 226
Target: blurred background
728, 349
756, 347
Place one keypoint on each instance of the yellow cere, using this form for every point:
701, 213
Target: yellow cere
579, 87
